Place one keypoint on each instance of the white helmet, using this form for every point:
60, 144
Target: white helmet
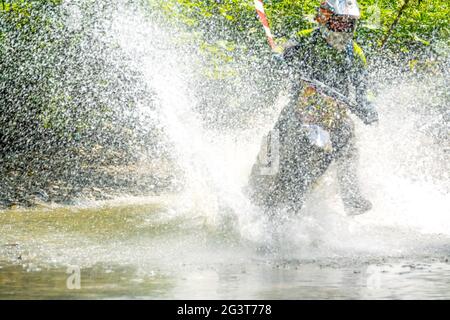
347, 8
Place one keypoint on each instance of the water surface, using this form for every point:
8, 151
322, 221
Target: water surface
143, 251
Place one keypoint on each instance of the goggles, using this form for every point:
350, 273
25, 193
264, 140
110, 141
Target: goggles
341, 24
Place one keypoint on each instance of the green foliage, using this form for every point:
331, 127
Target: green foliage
58, 88
20, 11
421, 24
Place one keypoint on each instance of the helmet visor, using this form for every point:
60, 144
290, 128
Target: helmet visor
341, 24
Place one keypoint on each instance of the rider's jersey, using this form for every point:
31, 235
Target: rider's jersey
292, 147
308, 54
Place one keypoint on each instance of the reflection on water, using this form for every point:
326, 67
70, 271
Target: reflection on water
96, 283
233, 281
145, 252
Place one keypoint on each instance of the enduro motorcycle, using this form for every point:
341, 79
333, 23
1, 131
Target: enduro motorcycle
311, 131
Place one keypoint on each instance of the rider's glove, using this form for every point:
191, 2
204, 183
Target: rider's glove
278, 58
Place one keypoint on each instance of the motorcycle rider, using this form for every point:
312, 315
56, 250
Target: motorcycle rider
313, 129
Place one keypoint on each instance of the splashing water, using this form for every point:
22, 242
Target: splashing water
403, 169
214, 163
398, 161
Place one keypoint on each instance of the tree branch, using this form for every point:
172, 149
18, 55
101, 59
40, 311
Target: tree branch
394, 24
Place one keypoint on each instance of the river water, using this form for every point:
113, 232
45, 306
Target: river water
145, 251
